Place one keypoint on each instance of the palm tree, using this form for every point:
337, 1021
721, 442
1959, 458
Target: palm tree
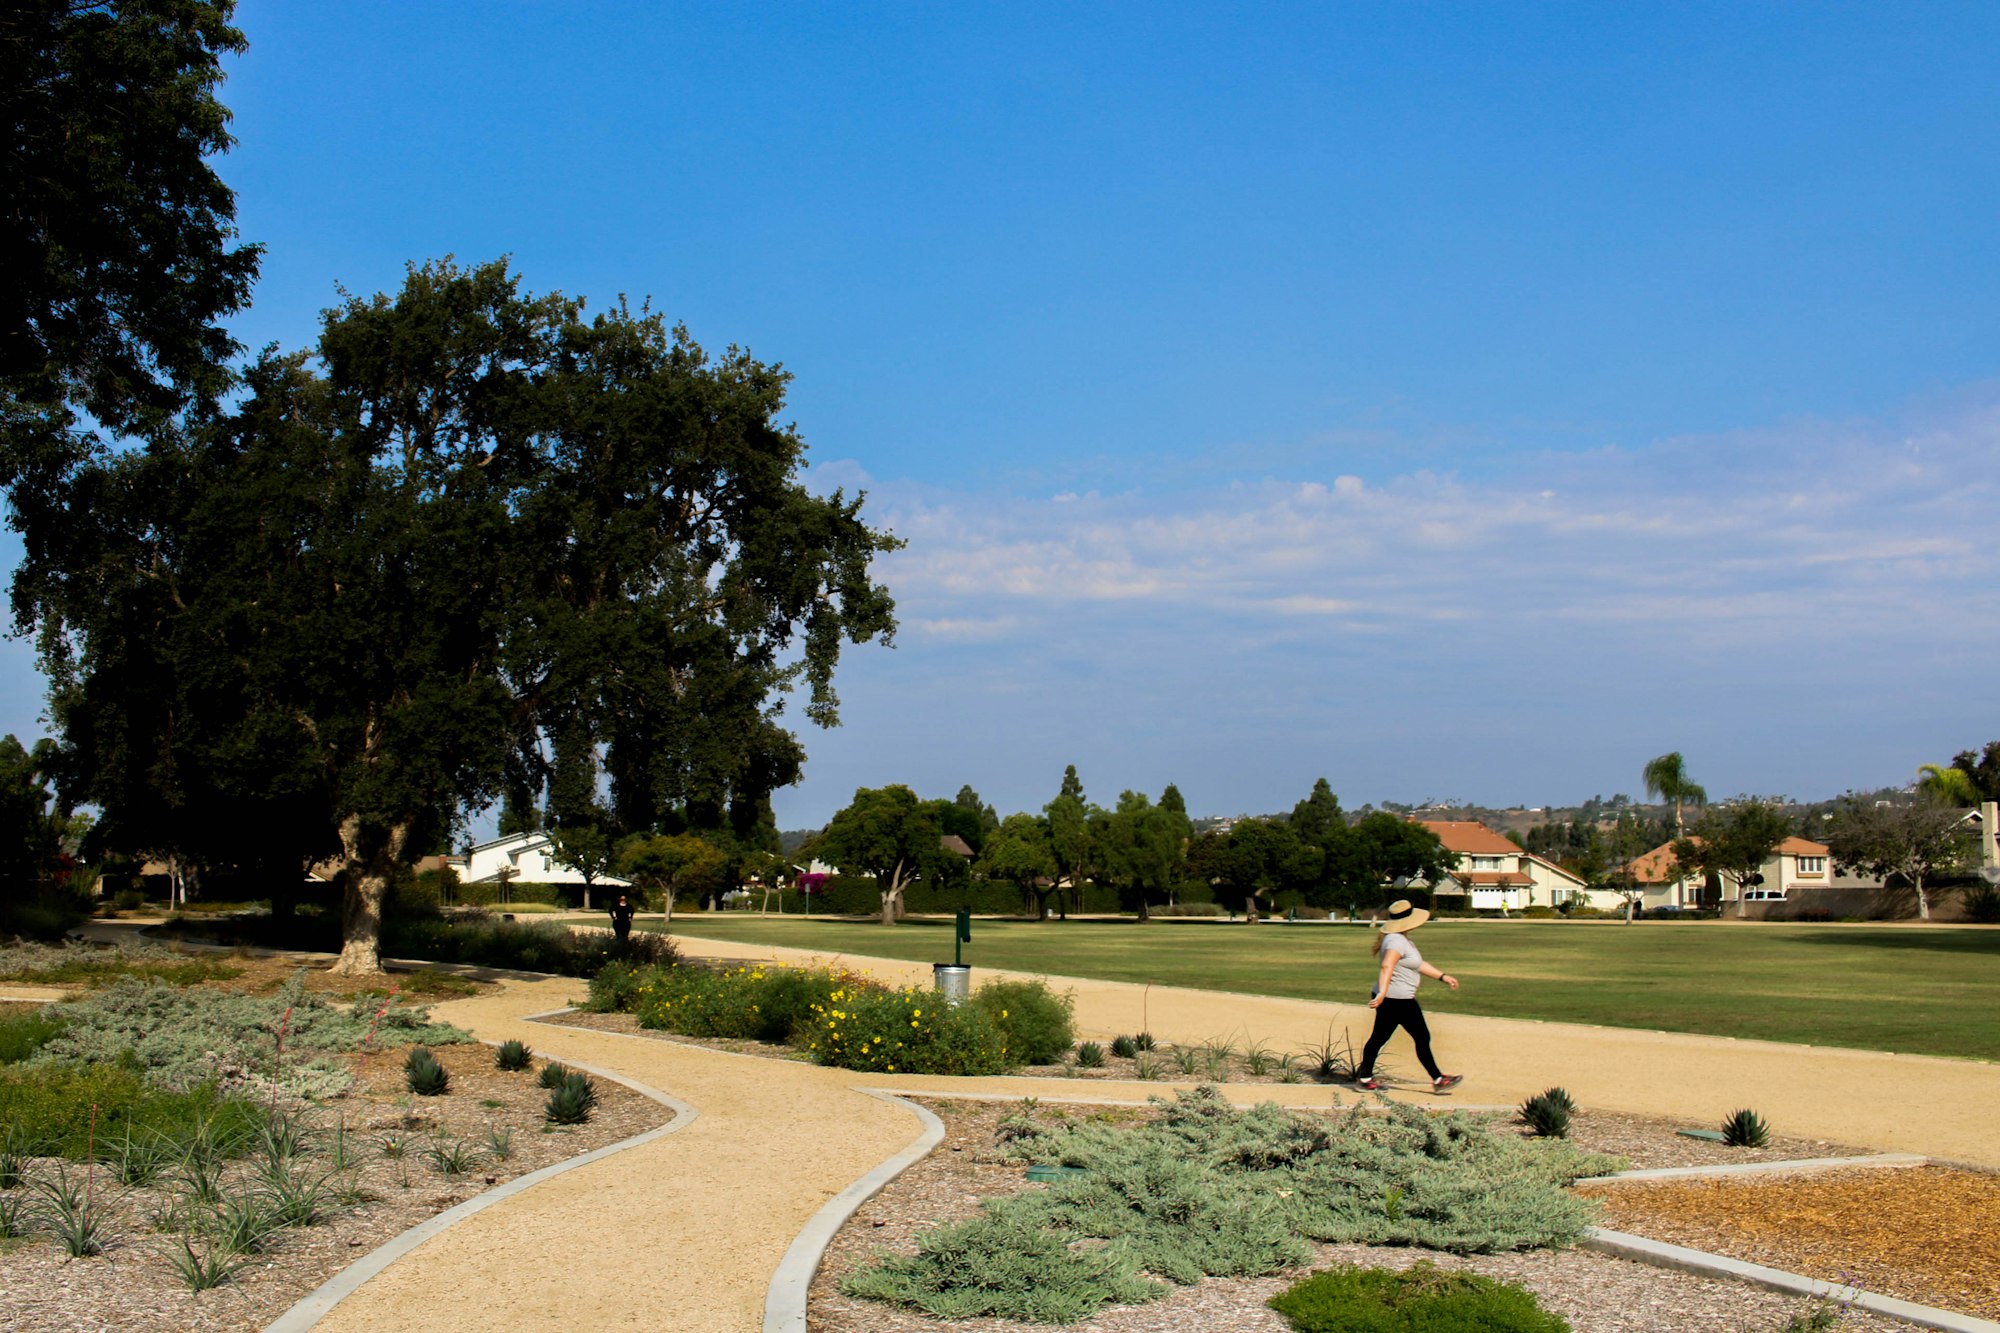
1666, 778
1947, 786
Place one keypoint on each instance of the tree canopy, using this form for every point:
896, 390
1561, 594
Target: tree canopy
1915, 843
117, 237
1734, 840
471, 540
891, 834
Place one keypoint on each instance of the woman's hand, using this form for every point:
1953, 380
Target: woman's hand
1448, 979
1375, 1000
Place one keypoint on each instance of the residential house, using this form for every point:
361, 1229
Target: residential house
525, 858
1796, 864
1498, 875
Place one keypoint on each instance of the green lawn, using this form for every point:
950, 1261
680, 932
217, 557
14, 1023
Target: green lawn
1932, 992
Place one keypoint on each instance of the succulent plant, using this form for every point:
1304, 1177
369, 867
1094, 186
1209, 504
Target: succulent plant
1546, 1116
553, 1073
1090, 1056
1561, 1097
1124, 1047
1144, 1041
512, 1056
571, 1101
426, 1077
1745, 1129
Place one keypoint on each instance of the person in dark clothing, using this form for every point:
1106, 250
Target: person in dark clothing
621, 918
1395, 1000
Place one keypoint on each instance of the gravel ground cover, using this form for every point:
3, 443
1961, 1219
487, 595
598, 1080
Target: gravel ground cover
133, 1285
1924, 1234
1595, 1293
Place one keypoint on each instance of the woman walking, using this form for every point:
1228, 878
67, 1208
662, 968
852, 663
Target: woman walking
1395, 999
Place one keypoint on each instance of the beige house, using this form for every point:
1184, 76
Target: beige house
1797, 863
1499, 876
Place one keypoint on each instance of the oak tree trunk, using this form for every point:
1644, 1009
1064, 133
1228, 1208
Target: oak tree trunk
371, 857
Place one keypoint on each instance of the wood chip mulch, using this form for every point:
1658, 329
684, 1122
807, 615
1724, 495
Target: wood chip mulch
1924, 1234
132, 1286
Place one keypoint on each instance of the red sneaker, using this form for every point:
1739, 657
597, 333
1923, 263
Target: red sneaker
1447, 1082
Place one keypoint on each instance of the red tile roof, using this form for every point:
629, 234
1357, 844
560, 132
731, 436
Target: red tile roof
1469, 837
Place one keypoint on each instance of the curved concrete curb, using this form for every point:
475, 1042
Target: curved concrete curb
1803, 1164
785, 1302
315, 1304
1703, 1264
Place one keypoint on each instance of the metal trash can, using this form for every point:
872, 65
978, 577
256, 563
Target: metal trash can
953, 981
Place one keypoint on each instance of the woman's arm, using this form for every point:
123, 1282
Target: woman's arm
1389, 957
1435, 975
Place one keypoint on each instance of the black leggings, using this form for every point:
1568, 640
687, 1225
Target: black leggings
1393, 1014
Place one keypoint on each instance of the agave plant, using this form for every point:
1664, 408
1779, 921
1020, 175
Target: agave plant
1124, 1047
512, 1056
571, 1101
553, 1073
1547, 1117
426, 1077
1745, 1129
1090, 1056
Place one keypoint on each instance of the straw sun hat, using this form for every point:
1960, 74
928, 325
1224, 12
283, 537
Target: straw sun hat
1404, 916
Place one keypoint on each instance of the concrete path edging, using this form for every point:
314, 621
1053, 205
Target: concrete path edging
785, 1302
1804, 1164
1699, 1262
314, 1305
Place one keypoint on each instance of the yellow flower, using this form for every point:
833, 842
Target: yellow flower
913, 1022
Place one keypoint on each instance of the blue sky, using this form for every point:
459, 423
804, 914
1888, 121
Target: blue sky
1455, 401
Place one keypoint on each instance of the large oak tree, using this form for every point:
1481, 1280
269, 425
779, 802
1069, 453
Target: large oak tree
472, 529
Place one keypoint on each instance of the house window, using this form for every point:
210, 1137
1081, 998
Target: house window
1485, 863
1812, 865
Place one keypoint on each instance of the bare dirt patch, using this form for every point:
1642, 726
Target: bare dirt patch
1595, 1293
1924, 1234
133, 1285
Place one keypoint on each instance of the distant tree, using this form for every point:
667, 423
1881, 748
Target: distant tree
116, 235
673, 864
1255, 860
1983, 767
585, 848
1734, 840
1140, 847
1317, 819
963, 822
1070, 838
1667, 778
1918, 843
1628, 839
34, 899
968, 800
1948, 786
1018, 851
888, 833
1372, 854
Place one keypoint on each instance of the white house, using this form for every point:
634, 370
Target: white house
527, 858
1499, 876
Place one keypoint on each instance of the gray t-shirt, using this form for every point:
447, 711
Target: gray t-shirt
1403, 982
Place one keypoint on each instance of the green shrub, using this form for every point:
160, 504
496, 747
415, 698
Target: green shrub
553, 1073
751, 1003
185, 1037
1981, 902
46, 1109
1090, 1056
512, 1056
911, 1031
528, 946
1124, 1047
1034, 1019
1745, 1129
1538, 912
22, 1034
1005, 1266
426, 1077
1206, 1189
616, 986
1422, 1299
1560, 1096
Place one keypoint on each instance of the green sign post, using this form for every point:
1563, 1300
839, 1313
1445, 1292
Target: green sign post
961, 936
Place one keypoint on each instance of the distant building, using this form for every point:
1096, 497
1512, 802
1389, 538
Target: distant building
527, 858
1499, 876
1796, 864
